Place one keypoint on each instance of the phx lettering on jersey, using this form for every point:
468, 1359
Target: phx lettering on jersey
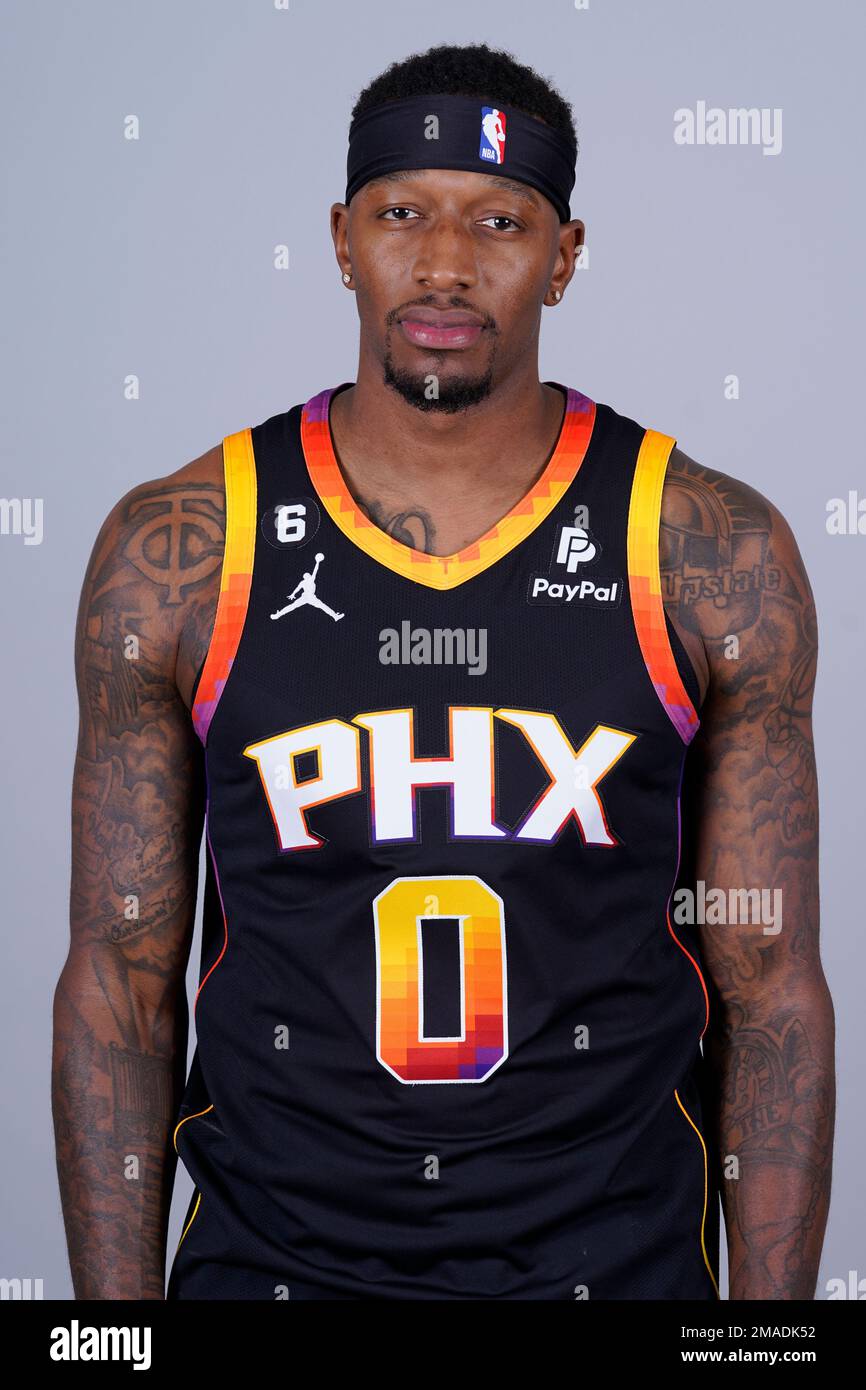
468, 771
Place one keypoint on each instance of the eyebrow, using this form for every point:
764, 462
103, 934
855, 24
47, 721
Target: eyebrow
520, 190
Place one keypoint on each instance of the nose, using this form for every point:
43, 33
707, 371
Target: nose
446, 256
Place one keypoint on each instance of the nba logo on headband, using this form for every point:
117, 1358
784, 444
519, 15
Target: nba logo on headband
393, 136
492, 146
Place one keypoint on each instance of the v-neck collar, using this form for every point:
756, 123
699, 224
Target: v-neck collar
443, 571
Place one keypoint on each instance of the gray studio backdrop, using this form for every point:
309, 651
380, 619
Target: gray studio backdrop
155, 258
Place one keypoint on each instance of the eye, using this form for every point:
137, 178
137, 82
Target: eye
397, 209
500, 217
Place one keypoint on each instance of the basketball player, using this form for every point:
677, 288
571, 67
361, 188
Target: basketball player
456, 1036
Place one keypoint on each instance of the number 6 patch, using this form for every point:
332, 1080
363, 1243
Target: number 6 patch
291, 524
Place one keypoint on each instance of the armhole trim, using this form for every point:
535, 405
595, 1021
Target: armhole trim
708, 1265
192, 1218
197, 680
645, 588
239, 467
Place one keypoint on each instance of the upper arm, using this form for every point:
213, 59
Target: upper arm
137, 804
752, 767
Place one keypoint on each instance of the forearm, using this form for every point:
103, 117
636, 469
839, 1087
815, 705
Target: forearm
113, 1109
774, 1130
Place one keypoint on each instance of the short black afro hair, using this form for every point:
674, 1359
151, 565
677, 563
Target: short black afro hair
471, 70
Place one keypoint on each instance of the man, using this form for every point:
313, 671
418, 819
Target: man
449, 1021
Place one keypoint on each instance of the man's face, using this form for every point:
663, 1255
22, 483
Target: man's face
450, 269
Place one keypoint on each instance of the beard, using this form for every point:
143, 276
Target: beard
451, 395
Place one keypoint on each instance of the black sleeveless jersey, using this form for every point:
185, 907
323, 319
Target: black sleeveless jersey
448, 1044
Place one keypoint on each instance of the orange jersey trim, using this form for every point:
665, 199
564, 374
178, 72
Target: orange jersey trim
443, 571
644, 577
239, 467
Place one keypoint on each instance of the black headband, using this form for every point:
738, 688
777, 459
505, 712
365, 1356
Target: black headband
467, 134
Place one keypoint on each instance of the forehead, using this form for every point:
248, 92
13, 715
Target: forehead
473, 184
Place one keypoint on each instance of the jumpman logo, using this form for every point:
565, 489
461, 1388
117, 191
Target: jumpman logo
305, 592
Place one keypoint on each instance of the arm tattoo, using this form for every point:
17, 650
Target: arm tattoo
776, 1112
120, 1005
731, 573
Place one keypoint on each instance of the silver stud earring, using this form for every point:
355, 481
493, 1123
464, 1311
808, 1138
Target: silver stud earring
346, 277
557, 294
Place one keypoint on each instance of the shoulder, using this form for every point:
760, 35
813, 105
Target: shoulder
151, 530
202, 478
157, 554
701, 502
732, 572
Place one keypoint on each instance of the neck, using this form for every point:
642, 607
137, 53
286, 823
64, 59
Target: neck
383, 442
439, 482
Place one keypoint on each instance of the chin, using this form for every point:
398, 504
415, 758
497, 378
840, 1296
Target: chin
457, 391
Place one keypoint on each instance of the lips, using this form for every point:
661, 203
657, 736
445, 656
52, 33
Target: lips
441, 328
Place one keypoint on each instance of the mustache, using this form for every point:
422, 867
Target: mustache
432, 303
